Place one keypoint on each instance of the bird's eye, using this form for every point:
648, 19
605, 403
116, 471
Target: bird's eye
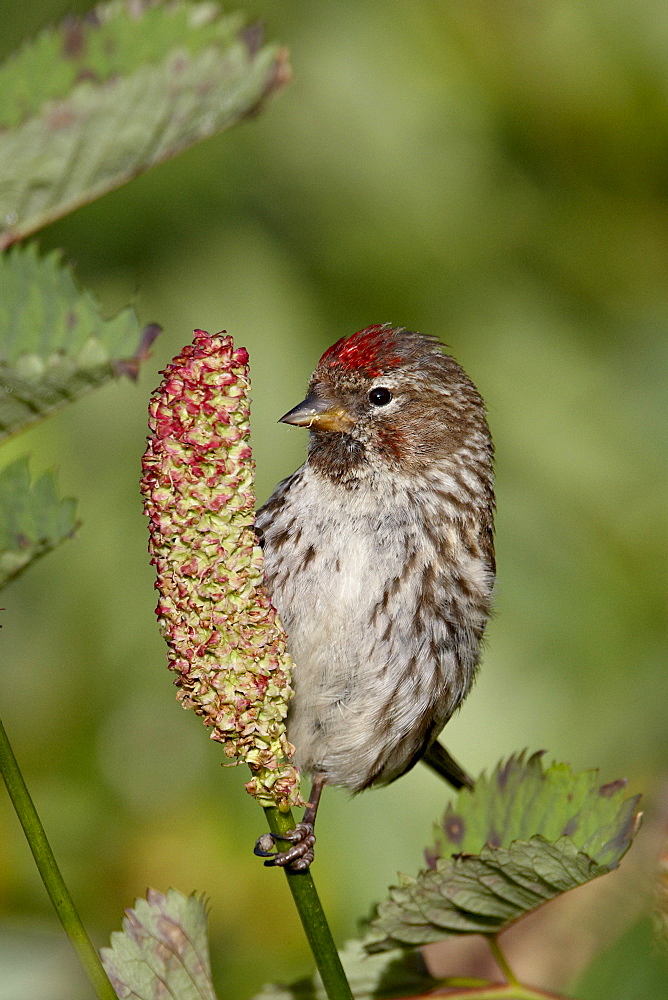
380, 396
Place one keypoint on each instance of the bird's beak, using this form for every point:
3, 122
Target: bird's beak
319, 413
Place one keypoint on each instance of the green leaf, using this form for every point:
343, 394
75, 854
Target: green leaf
518, 839
388, 976
54, 344
91, 104
522, 798
114, 38
162, 951
33, 519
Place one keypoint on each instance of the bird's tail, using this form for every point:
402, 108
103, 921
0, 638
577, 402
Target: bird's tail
438, 758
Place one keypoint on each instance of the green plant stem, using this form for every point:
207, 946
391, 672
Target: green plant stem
49, 871
462, 982
502, 991
313, 918
479, 989
495, 948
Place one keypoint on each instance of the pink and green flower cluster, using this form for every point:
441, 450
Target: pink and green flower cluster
226, 644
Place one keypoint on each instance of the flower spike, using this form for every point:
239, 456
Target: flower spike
226, 643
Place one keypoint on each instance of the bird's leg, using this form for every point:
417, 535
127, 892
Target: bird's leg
297, 858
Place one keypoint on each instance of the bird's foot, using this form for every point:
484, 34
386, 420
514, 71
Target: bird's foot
297, 858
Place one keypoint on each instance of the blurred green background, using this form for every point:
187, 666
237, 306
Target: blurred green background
491, 172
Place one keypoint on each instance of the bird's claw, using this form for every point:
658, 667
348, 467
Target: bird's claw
297, 858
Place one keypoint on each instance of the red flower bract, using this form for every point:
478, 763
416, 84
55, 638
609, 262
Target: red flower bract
225, 641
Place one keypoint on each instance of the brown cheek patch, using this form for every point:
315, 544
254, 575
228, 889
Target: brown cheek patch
391, 442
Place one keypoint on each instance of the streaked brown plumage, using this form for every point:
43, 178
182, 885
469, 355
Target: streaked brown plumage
379, 558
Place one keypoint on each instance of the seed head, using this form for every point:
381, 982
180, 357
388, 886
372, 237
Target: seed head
226, 643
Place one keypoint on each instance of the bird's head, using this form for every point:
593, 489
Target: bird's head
389, 396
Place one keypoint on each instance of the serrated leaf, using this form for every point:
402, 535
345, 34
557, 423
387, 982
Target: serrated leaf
162, 951
104, 42
522, 798
90, 105
54, 344
505, 853
388, 976
33, 519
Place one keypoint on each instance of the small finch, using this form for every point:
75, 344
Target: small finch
379, 557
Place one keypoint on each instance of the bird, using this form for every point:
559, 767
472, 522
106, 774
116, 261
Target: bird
379, 558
